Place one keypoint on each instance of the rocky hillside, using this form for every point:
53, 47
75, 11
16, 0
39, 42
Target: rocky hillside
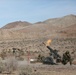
62, 21
48, 28
16, 24
69, 31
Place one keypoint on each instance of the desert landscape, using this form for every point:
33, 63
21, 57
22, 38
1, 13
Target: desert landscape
21, 41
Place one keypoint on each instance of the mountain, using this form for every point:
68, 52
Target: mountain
49, 28
63, 21
16, 24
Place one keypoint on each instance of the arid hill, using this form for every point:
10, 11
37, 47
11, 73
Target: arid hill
69, 31
16, 25
62, 21
49, 28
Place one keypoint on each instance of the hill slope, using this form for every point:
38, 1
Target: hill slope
49, 28
69, 31
63, 21
16, 25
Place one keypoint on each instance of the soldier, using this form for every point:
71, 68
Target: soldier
66, 58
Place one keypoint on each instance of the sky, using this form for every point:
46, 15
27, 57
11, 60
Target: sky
34, 10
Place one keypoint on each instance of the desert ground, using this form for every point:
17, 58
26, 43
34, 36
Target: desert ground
40, 69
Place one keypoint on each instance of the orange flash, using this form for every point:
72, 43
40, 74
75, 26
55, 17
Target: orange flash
48, 42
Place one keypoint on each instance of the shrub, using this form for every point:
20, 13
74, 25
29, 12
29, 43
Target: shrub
25, 70
11, 64
3, 55
1, 67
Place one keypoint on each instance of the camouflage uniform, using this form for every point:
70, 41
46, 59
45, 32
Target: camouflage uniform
66, 58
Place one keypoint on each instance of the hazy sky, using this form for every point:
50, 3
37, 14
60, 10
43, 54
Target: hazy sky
34, 10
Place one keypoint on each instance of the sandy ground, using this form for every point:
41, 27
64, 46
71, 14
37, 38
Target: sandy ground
56, 69
49, 69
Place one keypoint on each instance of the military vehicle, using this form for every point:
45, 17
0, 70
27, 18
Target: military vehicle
55, 58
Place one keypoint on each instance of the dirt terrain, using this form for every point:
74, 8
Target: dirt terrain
40, 69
